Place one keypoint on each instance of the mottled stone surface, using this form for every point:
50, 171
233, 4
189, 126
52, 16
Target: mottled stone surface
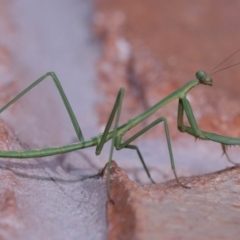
209, 210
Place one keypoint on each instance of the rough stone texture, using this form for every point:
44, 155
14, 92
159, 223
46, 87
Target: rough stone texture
209, 210
41, 200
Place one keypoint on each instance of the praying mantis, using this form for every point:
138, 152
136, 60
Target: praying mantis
118, 132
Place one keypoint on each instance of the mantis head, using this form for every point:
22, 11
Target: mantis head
204, 78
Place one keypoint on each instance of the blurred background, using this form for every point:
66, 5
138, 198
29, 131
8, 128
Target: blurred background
154, 48
150, 48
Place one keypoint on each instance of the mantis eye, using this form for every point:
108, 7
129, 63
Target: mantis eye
204, 78
200, 75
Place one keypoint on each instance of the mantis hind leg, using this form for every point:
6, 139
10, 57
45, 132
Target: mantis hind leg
63, 96
224, 148
125, 144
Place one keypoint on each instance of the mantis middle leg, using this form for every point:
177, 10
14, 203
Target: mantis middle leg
126, 144
116, 110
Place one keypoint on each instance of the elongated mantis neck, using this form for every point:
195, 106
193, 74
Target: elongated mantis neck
180, 93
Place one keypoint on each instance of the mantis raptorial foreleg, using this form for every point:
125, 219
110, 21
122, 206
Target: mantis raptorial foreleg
224, 148
63, 96
194, 130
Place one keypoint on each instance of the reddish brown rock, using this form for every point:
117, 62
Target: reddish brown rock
209, 210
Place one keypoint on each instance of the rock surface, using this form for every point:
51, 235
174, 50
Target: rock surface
209, 210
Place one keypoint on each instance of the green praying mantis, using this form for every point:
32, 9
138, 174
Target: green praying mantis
118, 132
